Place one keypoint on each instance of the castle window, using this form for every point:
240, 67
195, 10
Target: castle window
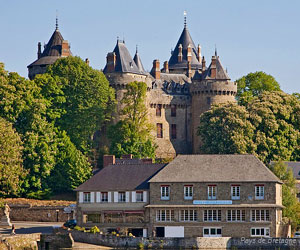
173, 110
159, 128
208, 100
173, 131
158, 110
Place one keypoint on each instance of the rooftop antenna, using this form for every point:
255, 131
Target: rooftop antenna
56, 25
184, 14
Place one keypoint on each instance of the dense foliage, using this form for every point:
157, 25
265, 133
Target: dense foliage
267, 126
289, 200
254, 84
55, 116
132, 134
11, 170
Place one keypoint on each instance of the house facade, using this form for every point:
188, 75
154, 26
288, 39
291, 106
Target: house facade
114, 199
194, 195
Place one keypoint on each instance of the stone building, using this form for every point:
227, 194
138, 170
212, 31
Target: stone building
114, 199
194, 195
56, 48
178, 93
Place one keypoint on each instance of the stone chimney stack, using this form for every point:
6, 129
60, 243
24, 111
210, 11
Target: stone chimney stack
199, 53
109, 160
189, 53
87, 61
156, 69
166, 67
111, 61
180, 53
65, 49
189, 69
203, 64
213, 68
39, 53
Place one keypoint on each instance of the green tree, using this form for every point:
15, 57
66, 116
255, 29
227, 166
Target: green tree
289, 200
81, 97
132, 134
71, 167
226, 129
11, 170
267, 126
297, 95
254, 84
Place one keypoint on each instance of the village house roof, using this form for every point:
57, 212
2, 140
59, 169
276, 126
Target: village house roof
122, 177
215, 168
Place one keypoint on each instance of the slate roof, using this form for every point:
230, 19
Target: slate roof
121, 177
138, 62
220, 72
215, 168
124, 61
52, 50
185, 39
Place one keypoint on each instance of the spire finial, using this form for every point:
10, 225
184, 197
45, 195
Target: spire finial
216, 50
136, 49
184, 14
56, 25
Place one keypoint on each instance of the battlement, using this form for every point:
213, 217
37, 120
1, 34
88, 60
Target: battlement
213, 88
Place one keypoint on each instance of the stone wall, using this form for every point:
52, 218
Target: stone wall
24, 241
26, 212
56, 241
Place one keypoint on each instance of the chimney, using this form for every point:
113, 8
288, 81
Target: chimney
189, 69
213, 69
108, 160
189, 53
156, 69
147, 161
65, 49
166, 67
199, 53
87, 61
180, 53
129, 156
39, 53
111, 61
203, 64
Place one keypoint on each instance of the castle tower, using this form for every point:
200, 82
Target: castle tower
121, 69
212, 86
56, 48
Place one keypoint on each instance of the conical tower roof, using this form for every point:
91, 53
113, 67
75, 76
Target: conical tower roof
221, 73
52, 50
124, 61
185, 40
138, 62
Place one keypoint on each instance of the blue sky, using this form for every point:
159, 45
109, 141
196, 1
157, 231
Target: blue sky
256, 35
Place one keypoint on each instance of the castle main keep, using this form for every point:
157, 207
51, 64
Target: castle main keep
178, 91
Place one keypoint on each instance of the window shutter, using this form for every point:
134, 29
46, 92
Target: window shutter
127, 197
80, 197
133, 196
109, 196
98, 198
145, 196
92, 197
116, 197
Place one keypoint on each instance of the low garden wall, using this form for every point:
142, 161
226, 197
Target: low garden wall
188, 243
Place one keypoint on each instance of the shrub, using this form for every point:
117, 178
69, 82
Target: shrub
78, 228
94, 230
